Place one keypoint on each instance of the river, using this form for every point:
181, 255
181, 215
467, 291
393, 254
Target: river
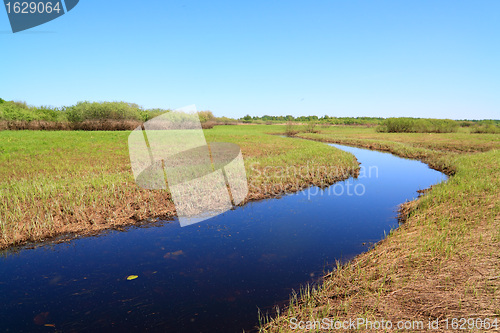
212, 276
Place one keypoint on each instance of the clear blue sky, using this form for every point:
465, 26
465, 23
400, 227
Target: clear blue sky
421, 58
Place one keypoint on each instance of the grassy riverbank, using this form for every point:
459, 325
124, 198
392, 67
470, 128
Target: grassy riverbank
443, 263
60, 182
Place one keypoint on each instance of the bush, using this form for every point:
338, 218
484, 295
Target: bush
311, 127
418, 125
290, 129
21, 104
206, 116
106, 125
34, 125
226, 121
149, 114
106, 110
208, 124
82, 116
13, 111
484, 129
46, 113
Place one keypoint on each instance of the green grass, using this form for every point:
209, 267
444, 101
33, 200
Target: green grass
71, 181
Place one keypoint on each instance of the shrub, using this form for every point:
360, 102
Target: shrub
483, 129
47, 113
206, 116
208, 124
21, 104
106, 110
12, 111
106, 125
149, 114
311, 127
226, 121
82, 116
290, 129
418, 125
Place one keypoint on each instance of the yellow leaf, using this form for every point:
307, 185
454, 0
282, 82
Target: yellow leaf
132, 277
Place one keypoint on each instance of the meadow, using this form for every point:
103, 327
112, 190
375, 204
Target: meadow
56, 183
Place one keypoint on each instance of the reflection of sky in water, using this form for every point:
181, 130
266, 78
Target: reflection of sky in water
207, 277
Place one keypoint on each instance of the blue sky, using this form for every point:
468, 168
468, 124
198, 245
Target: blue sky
383, 58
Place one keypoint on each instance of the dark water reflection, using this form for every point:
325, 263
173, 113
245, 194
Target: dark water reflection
211, 276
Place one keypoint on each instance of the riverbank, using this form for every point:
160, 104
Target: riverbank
72, 183
442, 263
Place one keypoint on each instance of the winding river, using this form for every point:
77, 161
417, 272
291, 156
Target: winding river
212, 276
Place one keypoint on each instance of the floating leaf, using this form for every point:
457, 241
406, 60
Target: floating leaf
132, 277
50, 325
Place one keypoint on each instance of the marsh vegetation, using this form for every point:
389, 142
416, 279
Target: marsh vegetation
442, 263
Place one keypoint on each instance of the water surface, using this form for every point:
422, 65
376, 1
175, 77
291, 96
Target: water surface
212, 276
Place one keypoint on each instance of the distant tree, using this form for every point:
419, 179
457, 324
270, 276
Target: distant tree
247, 117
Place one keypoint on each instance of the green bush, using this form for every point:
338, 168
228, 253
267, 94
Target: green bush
491, 129
101, 111
49, 114
226, 120
310, 127
13, 111
149, 114
82, 111
206, 116
418, 125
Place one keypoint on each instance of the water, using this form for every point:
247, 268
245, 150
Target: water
212, 276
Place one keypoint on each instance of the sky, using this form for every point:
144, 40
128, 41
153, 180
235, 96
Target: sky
385, 58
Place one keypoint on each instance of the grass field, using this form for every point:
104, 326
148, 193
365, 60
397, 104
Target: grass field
61, 182
443, 263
